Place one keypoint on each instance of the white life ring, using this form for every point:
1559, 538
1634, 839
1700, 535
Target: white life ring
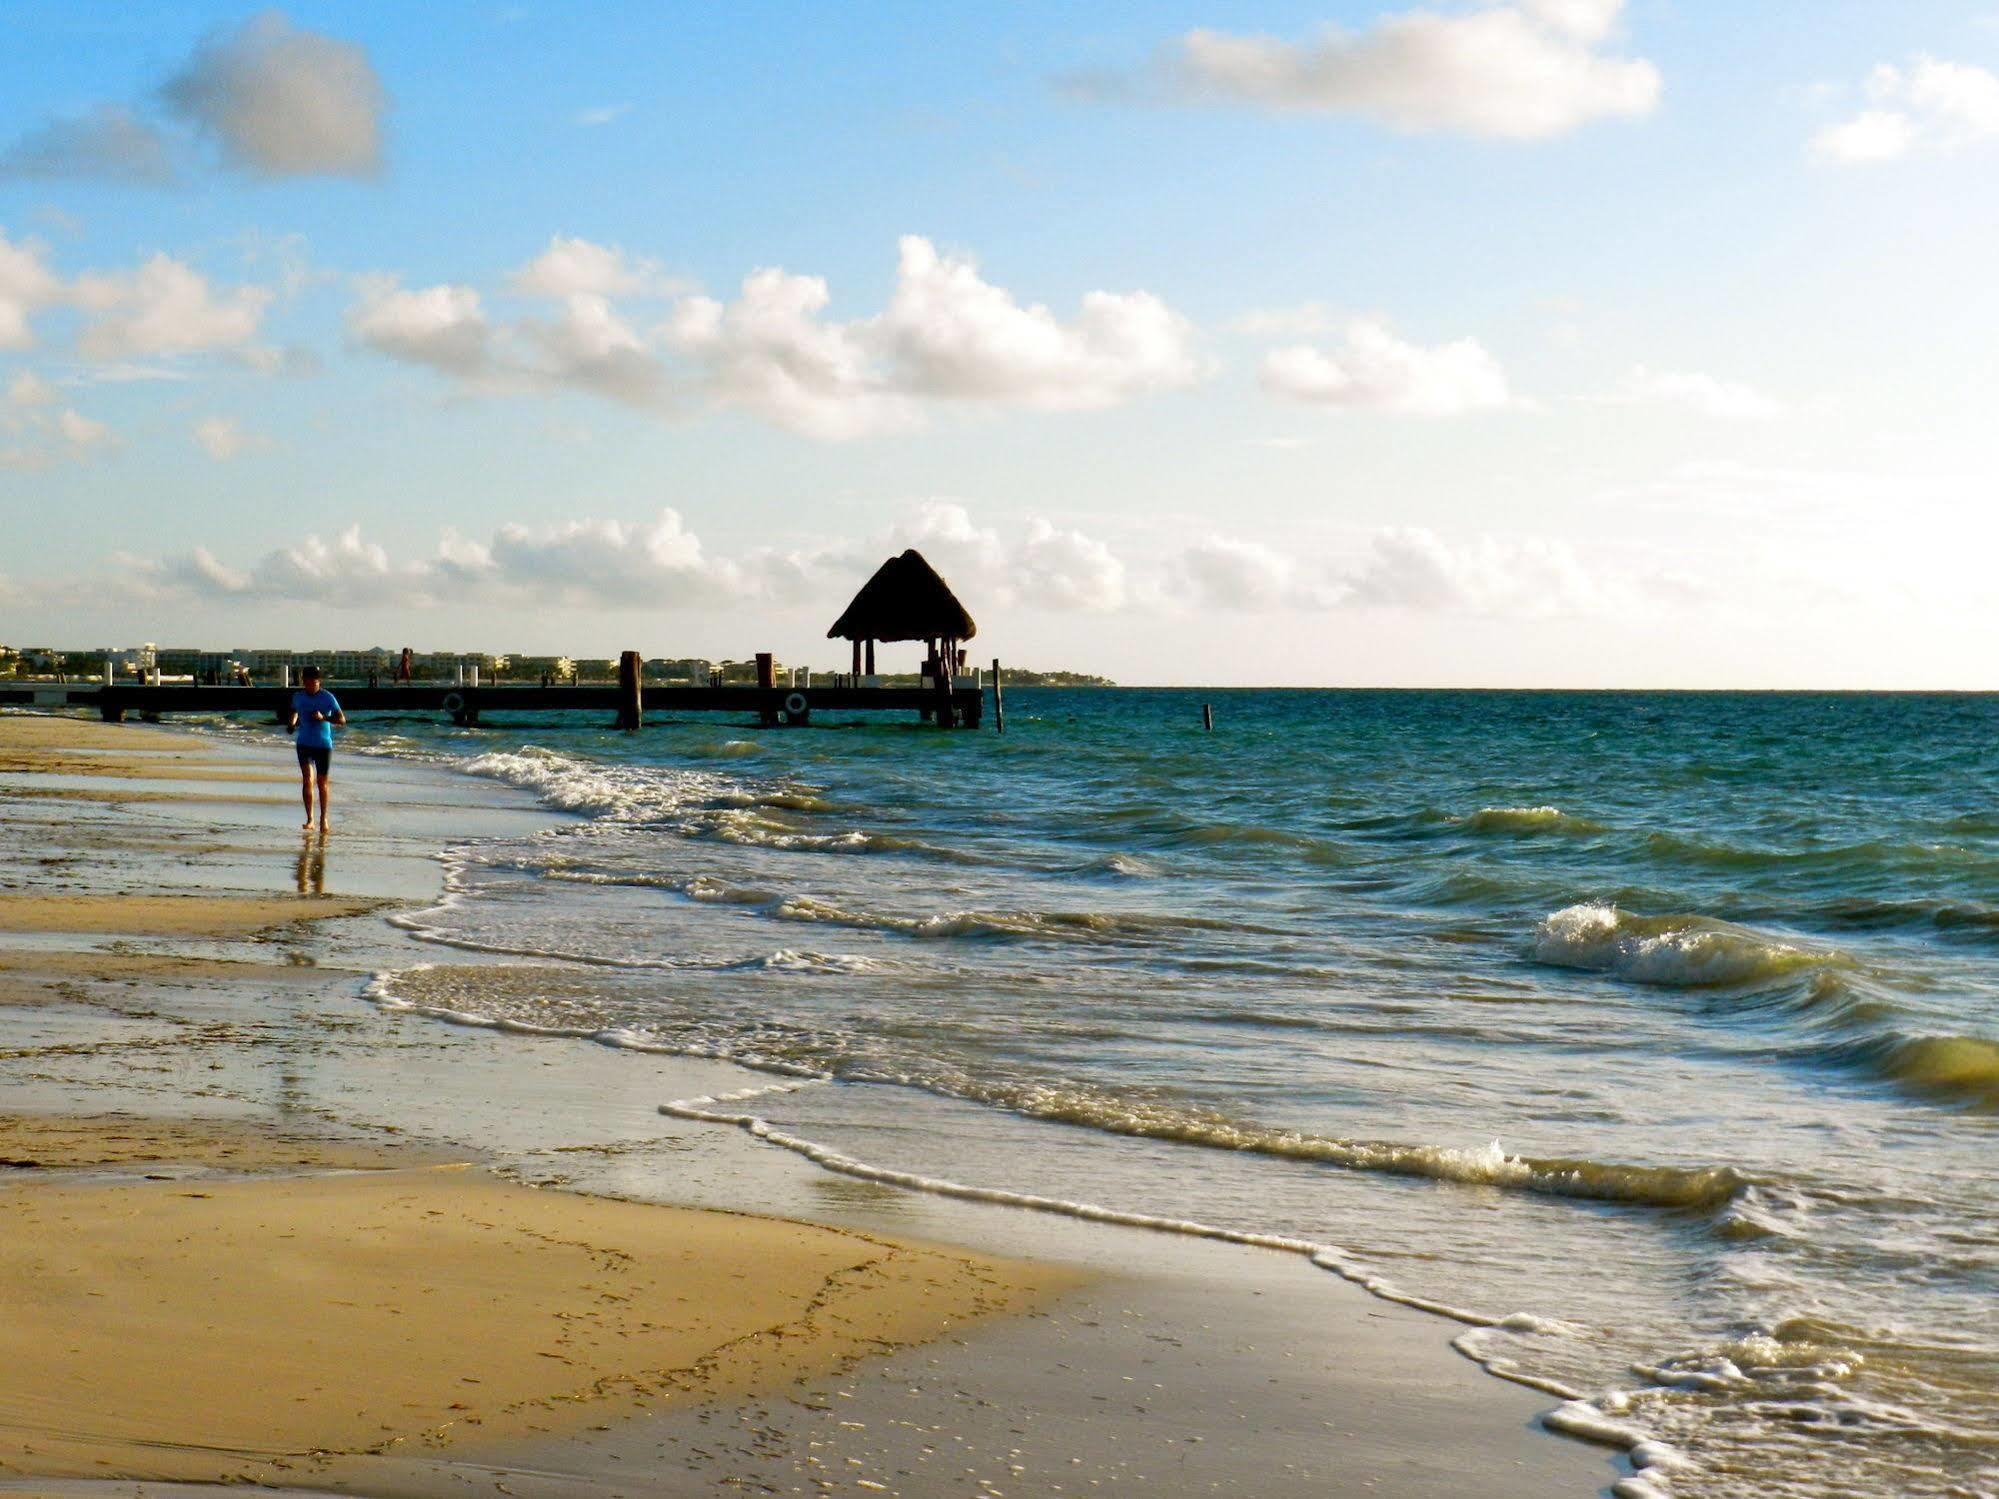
796, 705
454, 703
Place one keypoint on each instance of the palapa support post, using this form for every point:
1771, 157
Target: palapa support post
999, 700
631, 695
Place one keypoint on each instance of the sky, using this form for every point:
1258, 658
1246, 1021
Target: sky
1567, 343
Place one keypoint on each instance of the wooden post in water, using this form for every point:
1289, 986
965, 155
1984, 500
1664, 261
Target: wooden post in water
999, 700
631, 698
1208, 717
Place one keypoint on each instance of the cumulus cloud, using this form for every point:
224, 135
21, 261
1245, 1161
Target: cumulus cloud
443, 327
1929, 105
950, 333
946, 336
592, 563
770, 353
164, 307
27, 286
595, 562
1054, 566
283, 101
29, 389
1523, 70
40, 439
108, 143
223, 438
1227, 572
1377, 370
1691, 390
570, 267
1415, 568
80, 431
1064, 569
589, 347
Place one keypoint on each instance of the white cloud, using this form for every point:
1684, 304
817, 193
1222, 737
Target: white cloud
1377, 370
946, 335
440, 326
1871, 135
570, 267
82, 432
61, 437
29, 389
592, 563
1053, 566
223, 438
1415, 568
27, 286
595, 563
1521, 71
1727, 399
1065, 569
280, 100
590, 347
109, 143
949, 333
601, 114
1929, 105
769, 352
164, 307
1226, 572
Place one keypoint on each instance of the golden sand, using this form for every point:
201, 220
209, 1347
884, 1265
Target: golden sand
230, 1329
299, 1297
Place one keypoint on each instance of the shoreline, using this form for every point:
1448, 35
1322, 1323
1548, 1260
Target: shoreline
1073, 1286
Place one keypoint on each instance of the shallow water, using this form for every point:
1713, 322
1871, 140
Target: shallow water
1655, 1036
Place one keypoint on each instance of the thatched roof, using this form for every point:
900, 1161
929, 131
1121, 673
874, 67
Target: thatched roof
904, 600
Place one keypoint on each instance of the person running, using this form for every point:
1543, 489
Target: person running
314, 713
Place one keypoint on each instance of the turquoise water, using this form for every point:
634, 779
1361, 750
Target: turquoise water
1661, 1031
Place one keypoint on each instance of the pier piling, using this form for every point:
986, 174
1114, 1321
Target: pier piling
631, 695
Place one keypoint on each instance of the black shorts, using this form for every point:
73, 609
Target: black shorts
318, 756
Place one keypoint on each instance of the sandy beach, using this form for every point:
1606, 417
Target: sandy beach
259, 1229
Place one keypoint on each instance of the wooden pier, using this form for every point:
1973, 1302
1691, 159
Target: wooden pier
620, 706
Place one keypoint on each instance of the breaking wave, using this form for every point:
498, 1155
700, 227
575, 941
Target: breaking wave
1529, 820
1672, 951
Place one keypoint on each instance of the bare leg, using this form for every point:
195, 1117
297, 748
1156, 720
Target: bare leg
323, 794
305, 792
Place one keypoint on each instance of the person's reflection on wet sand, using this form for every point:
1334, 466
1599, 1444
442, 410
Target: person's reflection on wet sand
312, 865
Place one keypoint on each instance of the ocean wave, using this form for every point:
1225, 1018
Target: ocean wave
544, 996
623, 793
1529, 820
1071, 926
1689, 952
1959, 1069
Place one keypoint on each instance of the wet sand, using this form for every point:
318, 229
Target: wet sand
714, 1340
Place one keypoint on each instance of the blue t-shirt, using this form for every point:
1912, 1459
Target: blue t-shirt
311, 734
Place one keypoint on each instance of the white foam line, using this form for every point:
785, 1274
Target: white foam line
1575, 1417
377, 991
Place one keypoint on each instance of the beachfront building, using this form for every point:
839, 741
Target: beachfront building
906, 599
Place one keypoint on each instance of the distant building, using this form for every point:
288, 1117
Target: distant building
694, 669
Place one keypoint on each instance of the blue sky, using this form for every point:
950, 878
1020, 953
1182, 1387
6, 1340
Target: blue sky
1536, 342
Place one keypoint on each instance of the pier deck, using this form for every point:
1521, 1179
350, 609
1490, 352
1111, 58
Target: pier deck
468, 705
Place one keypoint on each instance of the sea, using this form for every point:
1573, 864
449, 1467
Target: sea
1651, 1040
